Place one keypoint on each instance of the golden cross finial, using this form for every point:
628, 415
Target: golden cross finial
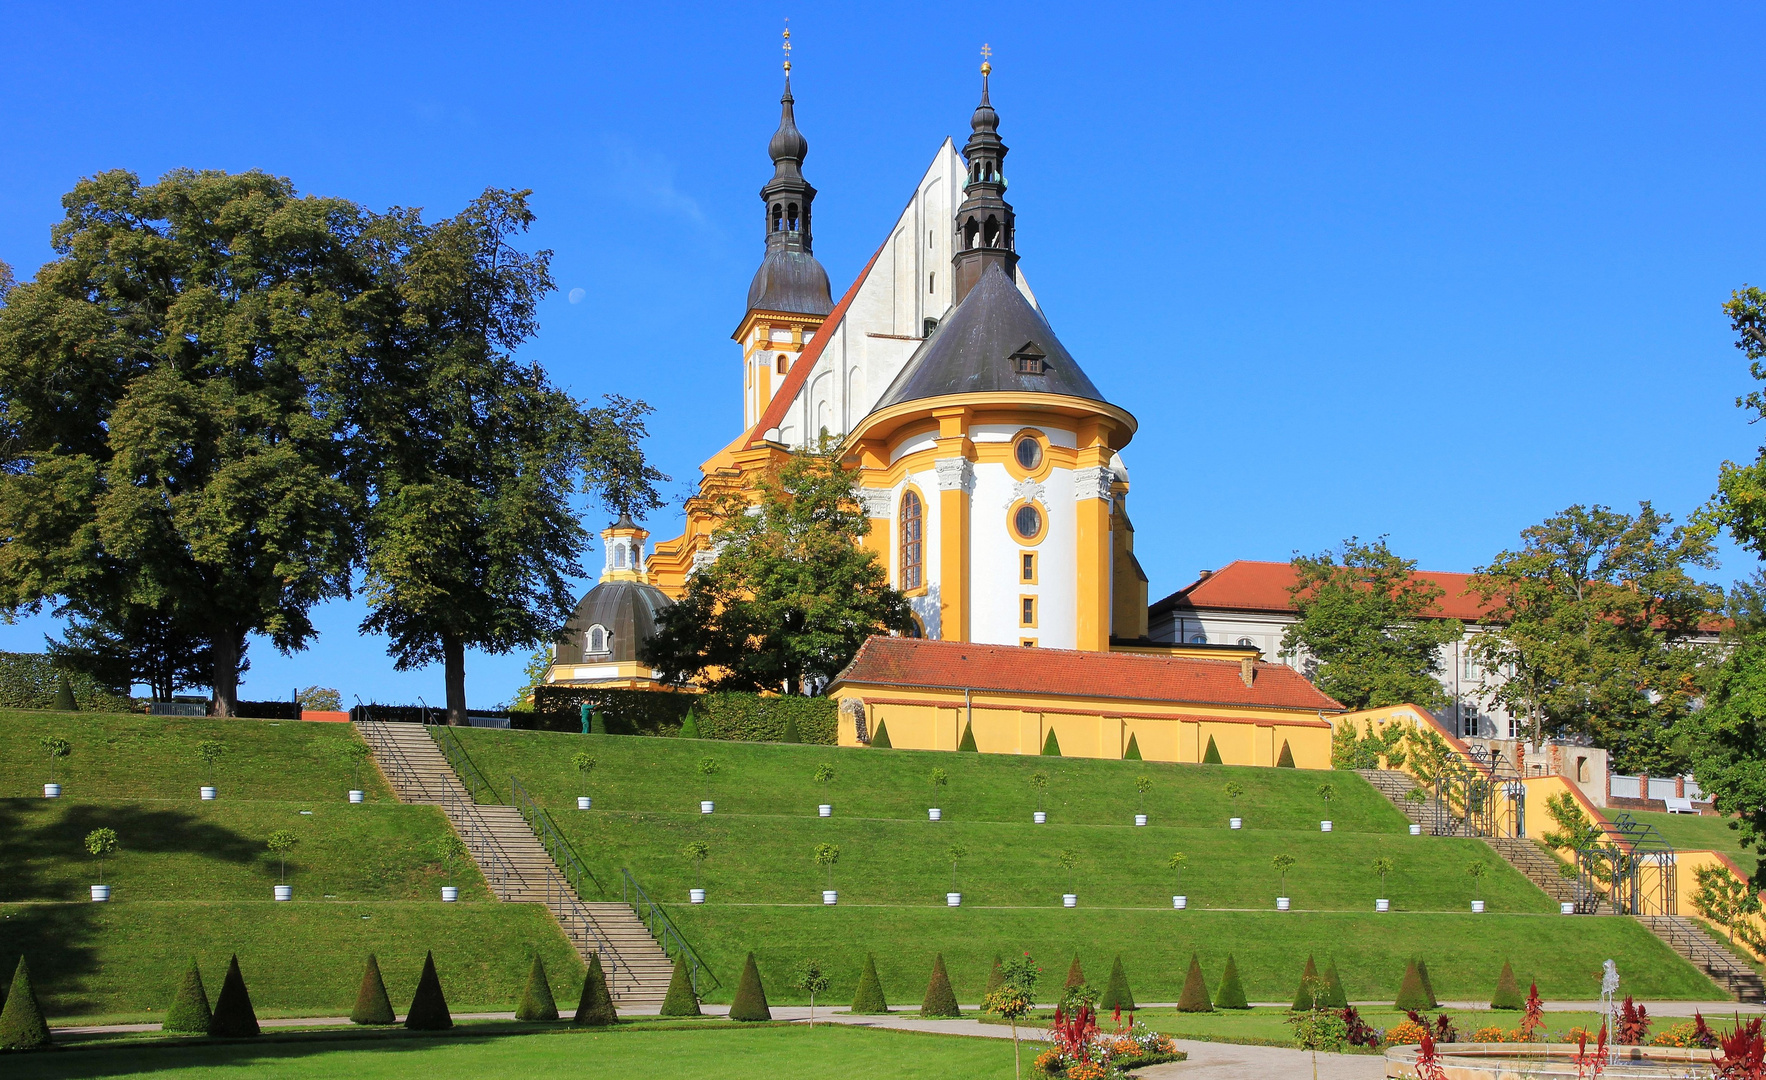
787, 46
986, 54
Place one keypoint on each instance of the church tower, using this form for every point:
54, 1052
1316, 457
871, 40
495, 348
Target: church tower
789, 296
986, 229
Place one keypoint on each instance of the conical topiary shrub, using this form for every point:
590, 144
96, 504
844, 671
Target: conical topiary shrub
595, 1007
1333, 996
1410, 991
1285, 760
1508, 992
1211, 756
1194, 998
680, 999
1051, 746
997, 977
750, 1001
429, 1006
968, 741
868, 1000
372, 1004
1307, 997
881, 739
22, 1026
234, 1017
1133, 753
1422, 970
64, 696
1232, 991
940, 1001
537, 1004
1075, 974
791, 735
689, 728
189, 1013
1117, 995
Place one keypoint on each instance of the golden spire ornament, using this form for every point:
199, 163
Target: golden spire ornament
986, 54
787, 46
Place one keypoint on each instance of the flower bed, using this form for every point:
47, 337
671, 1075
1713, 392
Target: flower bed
1082, 1052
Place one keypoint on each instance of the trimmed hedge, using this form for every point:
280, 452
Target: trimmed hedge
22, 1026
372, 1005
680, 1000
233, 1018
1194, 997
429, 1006
30, 681
268, 710
869, 1000
750, 1004
940, 1001
537, 1004
189, 1013
753, 718
1312, 994
625, 712
729, 715
1508, 992
1117, 995
1232, 991
595, 1007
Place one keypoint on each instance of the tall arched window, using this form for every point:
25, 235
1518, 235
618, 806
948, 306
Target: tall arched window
911, 573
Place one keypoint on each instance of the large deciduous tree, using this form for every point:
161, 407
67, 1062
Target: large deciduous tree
161, 449
1370, 626
791, 595
474, 458
1595, 618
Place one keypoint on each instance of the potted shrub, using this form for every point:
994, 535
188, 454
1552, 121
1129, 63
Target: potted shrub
448, 848
824, 776
1176, 862
1069, 860
826, 856
57, 748
1326, 791
1142, 784
707, 769
955, 853
812, 980
584, 766
1382, 867
210, 751
1233, 790
940, 779
1477, 869
1283, 862
280, 843
354, 752
698, 852
101, 843
1416, 797
1039, 781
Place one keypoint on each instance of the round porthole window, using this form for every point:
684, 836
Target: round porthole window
1028, 522
1029, 453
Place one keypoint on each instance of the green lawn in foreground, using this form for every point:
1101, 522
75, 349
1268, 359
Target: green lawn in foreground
125, 959
1464, 952
721, 1051
1692, 832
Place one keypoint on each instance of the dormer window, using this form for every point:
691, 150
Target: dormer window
600, 641
1030, 360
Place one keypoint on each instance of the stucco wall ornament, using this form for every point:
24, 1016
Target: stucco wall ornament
955, 474
1027, 491
1093, 483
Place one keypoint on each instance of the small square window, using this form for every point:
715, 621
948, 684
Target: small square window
1028, 643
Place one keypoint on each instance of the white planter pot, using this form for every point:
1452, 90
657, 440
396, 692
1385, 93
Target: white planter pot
953, 899
825, 810
1180, 902
705, 806
696, 896
100, 894
450, 893
285, 892
1281, 903
1382, 905
208, 793
830, 897
1416, 830
583, 802
1039, 817
1477, 907
934, 813
1069, 899
1235, 823
1568, 907
1140, 819
52, 791
356, 796
1324, 826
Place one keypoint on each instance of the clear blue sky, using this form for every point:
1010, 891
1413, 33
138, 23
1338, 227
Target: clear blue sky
1358, 269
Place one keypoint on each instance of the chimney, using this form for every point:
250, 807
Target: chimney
1248, 670
1204, 575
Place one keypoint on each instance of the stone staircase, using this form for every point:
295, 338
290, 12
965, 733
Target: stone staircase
518, 869
1431, 813
1541, 869
1689, 939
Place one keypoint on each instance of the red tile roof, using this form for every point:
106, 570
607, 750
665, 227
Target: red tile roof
957, 665
1244, 585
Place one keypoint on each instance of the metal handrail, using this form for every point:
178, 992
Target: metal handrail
563, 854
461, 812
563, 888
448, 740
653, 915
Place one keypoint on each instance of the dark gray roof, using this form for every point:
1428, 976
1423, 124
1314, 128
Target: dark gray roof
791, 281
628, 610
973, 352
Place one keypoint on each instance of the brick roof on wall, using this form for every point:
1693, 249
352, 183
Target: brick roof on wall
957, 665
1244, 585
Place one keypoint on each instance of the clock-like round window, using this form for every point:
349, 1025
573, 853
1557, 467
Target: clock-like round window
1027, 521
1029, 453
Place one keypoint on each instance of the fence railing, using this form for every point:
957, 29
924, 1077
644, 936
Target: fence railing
663, 929
564, 889
456, 802
464, 767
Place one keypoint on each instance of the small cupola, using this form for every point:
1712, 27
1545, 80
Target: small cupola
624, 545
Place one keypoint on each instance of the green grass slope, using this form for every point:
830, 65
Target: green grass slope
1693, 832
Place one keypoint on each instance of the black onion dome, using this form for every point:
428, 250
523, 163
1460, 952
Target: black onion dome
788, 144
626, 609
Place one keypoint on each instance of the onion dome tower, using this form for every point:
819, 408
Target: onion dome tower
603, 642
986, 226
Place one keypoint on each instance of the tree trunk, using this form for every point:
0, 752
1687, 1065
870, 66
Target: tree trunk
227, 646
454, 673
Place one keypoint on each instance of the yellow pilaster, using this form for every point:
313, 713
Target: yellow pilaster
956, 480
1093, 622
